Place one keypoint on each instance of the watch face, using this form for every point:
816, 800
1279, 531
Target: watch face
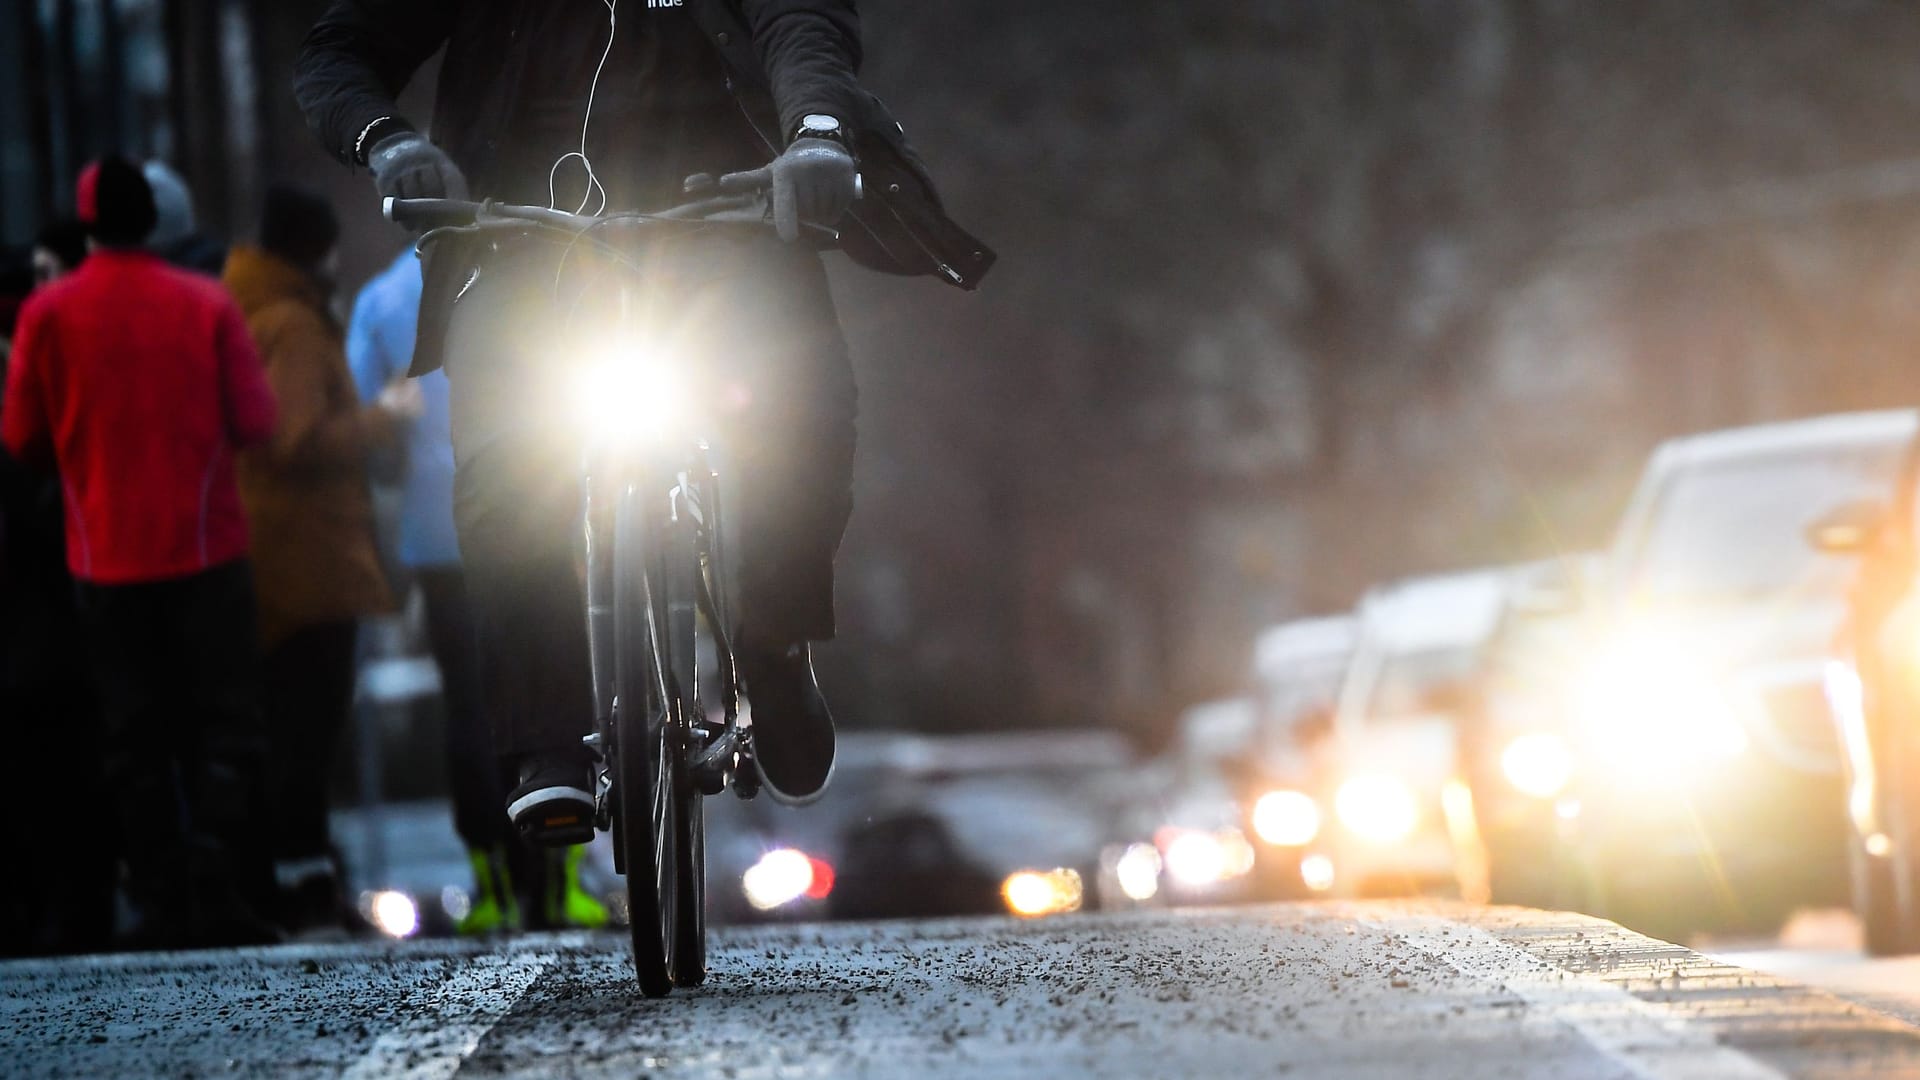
817, 122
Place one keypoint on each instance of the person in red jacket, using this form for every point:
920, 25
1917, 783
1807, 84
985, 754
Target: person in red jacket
137, 382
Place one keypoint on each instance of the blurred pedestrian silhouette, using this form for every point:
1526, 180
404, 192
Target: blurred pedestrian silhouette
316, 566
176, 237
61, 897
137, 382
514, 885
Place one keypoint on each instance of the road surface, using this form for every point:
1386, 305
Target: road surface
1343, 990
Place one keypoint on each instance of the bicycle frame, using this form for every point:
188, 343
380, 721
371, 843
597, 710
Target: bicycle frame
688, 489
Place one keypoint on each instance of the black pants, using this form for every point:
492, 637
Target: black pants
473, 769
751, 322
175, 669
308, 683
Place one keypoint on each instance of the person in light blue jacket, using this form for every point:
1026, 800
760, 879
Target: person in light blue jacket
379, 350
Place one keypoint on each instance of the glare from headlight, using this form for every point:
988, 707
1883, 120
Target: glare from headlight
1286, 818
784, 875
1316, 873
1138, 871
1377, 808
1539, 765
1032, 893
1652, 703
627, 392
393, 913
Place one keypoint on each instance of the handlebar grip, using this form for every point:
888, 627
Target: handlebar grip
421, 214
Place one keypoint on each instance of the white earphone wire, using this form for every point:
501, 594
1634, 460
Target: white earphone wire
586, 122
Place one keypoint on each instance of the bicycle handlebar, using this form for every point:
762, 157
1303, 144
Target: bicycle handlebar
746, 208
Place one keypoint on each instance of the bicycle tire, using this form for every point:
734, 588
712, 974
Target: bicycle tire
679, 575
646, 751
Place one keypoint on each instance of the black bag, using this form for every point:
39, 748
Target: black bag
898, 226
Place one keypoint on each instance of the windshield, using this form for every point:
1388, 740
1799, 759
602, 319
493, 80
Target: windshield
1418, 684
1737, 530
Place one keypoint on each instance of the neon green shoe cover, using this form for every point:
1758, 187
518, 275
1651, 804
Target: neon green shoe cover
567, 903
493, 908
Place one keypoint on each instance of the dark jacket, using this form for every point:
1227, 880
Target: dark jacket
788, 58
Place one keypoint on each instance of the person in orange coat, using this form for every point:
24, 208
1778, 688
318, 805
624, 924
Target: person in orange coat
316, 564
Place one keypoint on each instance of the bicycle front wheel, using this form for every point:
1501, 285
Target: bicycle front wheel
651, 786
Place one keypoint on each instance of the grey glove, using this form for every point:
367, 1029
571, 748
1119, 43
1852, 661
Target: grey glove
813, 182
406, 166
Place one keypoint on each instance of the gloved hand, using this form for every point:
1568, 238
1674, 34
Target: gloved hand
406, 166
812, 182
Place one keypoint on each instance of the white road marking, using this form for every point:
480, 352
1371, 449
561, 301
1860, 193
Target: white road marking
445, 1024
1641, 1037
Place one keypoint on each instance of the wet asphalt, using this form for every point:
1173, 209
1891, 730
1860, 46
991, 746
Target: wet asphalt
1334, 990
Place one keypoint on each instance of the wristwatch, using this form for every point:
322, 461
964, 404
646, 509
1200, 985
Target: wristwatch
821, 126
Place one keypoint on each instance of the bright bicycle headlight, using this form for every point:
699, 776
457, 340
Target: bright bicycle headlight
1539, 765
628, 392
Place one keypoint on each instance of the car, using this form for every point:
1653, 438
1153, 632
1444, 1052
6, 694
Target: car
773, 863
1875, 700
1400, 807
1709, 792
1516, 748
995, 823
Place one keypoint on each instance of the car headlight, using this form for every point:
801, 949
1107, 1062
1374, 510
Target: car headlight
1196, 858
1286, 818
1316, 873
392, 912
1138, 872
1032, 893
1382, 809
627, 392
1539, 765
783, 876
1648, 702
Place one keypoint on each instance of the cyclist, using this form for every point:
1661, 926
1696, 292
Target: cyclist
612, 103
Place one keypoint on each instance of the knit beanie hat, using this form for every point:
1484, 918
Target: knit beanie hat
174, 203
115, 202
298, 225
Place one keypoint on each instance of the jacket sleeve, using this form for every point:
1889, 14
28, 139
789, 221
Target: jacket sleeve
323, 426
357, 59
367, 355
245, 393
811, 52
25, 428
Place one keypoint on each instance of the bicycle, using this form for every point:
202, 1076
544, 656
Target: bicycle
655, 545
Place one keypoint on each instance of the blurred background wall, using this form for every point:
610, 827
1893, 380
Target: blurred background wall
1333, 291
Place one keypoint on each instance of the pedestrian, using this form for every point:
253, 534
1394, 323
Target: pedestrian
177, 237
316, 565
514, 885
138, 382
62, 897
58, 250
